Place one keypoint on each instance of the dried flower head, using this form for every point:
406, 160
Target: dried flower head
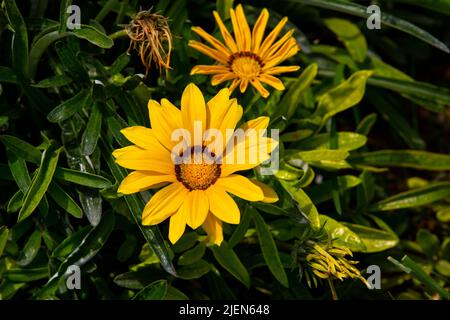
150, 35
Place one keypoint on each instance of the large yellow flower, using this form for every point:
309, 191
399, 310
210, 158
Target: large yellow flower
197, 190
246, 58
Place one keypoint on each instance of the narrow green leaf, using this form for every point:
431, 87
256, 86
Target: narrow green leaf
345, 141
64, 200
40, 181
68, 245
194, 270
30, 249
154, 291
386, 19
344, 96
269, 249
7, 75
63, 15
304, 203
241, 229
349, 34
69, 107
340, 234
15, 203
20, 39
82, 178
409, 266
19, 171
415, 159
374, 240
322, 192
57, 81
414, 198
94, 36
26, 275
92, 132
228, 259
21, 148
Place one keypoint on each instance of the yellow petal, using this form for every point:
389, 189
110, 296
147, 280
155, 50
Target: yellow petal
258, 30
141, 136
241, 187
177, 226
213, 41
243, 85
217, 107
196, 208
208, 51
260, 123
282, 69
206, 69
276, 46
213, 228
234, 84
193, 111
270, 196
225, 34
164, 203
237, 31
272, 37
289, 49
165, 118
248, 151
219, 78
272, 81
243, 26
118, 152
259, 87
222, 205
142, 180
146, 160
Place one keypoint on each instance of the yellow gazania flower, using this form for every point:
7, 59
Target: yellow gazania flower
197, 194
246, 58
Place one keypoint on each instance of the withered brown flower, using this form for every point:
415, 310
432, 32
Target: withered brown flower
150, 35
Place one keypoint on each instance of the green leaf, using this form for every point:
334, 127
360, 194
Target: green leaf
21, 148
85, 251
40, 181
94, 36
345, 141
92, 132
349, 33
30, 249
68, 245
82, 178
291, 99
344, 96
269, 249
53, 82
304, 203
19, 171
415, 159
409, 266
192, 255
20, 39
64, 200
228, 259
194, 270
223, 8
374, 240
4, 232
175, 294
26, 275
413, 198
340, 234
241, 229
69, 107
63, 15
154, 291
386, 19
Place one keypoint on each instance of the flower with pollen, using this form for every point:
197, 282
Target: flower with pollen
198, 174
246, 58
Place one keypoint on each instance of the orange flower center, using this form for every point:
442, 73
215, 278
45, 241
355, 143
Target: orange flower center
246, 65
197, 170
